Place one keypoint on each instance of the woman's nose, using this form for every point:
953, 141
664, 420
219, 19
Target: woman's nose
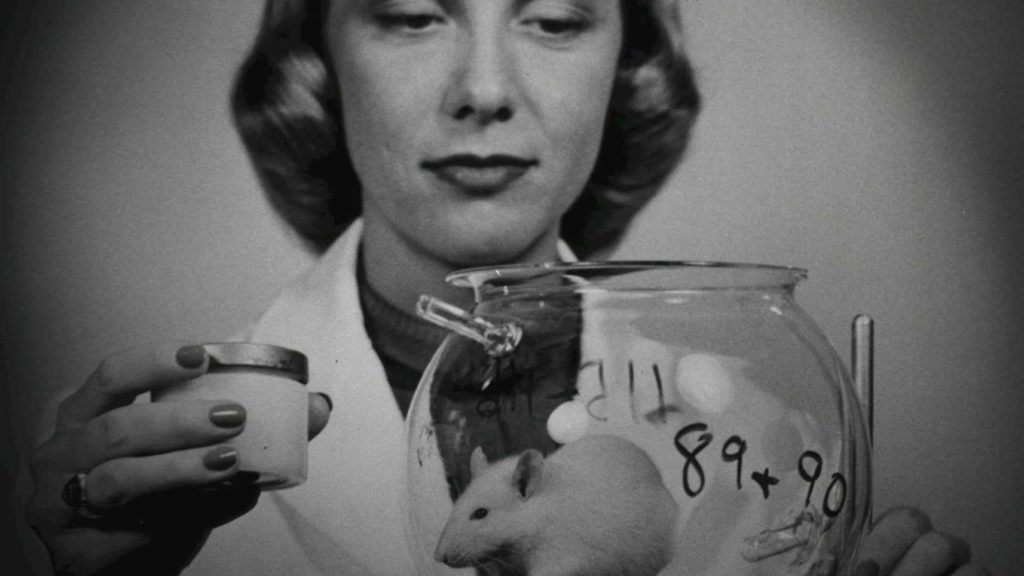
481, 87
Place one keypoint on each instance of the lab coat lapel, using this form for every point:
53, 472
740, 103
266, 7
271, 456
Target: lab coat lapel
348, 517
352, 498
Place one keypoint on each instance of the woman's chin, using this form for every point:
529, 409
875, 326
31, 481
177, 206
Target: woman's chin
500, 246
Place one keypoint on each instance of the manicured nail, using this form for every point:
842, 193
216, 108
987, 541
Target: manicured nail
330, 403
191, 356
220, 458
227, 415
866, 568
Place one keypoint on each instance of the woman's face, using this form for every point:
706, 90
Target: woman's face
473, 124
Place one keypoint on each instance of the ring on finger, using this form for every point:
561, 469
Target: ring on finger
76, 496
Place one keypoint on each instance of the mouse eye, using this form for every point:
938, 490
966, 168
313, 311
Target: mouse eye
478, 514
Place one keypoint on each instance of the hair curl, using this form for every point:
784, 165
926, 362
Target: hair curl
286, 108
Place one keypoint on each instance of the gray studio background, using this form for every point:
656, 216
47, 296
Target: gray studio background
879, 144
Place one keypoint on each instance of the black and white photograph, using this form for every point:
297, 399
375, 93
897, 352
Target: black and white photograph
512, 287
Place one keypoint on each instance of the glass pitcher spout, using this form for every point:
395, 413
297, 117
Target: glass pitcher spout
498, 338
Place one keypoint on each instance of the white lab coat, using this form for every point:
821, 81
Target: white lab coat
348, 518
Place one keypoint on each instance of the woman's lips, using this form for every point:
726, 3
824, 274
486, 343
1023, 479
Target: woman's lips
479, 173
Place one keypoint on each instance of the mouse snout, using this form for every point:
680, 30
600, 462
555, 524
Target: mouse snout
440, 554
449, 557
445, 559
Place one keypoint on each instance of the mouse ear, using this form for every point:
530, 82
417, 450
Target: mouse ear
477, 462
528, 472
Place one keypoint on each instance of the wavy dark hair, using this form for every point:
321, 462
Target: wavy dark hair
286, 107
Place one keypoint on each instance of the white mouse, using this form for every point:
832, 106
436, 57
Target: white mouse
597, 506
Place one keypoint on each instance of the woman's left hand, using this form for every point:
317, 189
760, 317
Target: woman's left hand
903, 543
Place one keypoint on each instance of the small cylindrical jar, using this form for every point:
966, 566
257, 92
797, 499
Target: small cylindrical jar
269, 382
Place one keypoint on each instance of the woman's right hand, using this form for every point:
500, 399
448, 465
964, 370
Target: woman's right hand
153, 472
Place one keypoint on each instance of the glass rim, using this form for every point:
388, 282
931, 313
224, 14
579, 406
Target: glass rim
756, 274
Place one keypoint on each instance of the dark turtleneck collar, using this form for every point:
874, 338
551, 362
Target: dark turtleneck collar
403, 341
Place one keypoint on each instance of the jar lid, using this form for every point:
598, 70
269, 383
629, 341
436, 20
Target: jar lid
266, 356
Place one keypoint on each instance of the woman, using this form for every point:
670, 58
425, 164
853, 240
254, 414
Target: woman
413, 138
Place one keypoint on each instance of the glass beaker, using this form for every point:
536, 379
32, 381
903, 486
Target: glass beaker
635, 418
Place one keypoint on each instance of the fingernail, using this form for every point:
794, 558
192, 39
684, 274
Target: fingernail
227, 415
191, 356
330, 403
220, 458
866, 568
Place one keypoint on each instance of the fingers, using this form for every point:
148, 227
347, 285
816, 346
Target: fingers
933, 554
121, 481
902, 543
111, 486
892, 535
146, 429
320, 406
122, 376
172, 528
211, 506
